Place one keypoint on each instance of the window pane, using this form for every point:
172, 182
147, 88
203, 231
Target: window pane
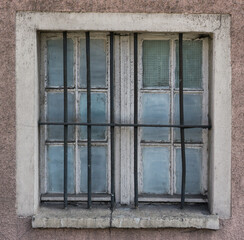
55, 169
99, 169
55, 113
98, 63
55, 63
155, 110
156, 167
193, 170
192, 64
192, 115
98, 115
155, 63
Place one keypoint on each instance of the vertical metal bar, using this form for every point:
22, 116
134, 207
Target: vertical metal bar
88, 86
112, 118
182, 133
65, 118
135, 119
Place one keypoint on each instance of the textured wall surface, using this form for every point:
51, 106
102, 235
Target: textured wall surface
12, 227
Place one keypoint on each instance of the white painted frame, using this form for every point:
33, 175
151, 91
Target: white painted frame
27, 90
76, 37
171, 91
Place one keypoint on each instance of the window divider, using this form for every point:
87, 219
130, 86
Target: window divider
136, 118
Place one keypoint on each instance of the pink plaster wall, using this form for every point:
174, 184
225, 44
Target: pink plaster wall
12, 227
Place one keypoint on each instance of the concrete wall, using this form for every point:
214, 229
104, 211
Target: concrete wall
13, 227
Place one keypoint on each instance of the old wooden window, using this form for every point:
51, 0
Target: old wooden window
159, 155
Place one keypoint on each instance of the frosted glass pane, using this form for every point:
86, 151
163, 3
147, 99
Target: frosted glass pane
55, 113
156, 167
192, 64
55, 169
99, 169
55, 62
98, 115
98, 63
155, 63
192, 115
193, 170
155, 110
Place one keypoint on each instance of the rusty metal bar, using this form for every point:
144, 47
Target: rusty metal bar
112, 119
182, 130
88, 87
65, 119
126, 125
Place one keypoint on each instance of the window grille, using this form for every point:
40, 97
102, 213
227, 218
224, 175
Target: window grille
112, 124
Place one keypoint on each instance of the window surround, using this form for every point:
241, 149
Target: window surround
27, 91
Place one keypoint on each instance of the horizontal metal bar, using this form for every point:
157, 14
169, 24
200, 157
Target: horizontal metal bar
126, 125
107, 198
75, 198
171, 200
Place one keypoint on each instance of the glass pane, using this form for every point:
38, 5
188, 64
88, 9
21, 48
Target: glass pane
55, 63
55, 113
98, 63
192, 64
193, 170
98, 115
155, 63
192, 115
155, 110
98, 166
55, 169
156, 167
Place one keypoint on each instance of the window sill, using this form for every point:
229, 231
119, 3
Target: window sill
145, 217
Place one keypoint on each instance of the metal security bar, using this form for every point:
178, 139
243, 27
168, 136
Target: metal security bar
112, 124
126, 125
182, 131
65, 119
112, 118
88, 88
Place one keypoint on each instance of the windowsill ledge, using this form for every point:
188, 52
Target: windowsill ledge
144, 217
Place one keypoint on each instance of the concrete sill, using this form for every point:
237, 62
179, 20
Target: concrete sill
144, 217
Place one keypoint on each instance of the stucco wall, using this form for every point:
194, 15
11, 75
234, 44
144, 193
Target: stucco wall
12, 227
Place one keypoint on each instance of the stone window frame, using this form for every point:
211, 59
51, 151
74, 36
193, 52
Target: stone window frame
28, 25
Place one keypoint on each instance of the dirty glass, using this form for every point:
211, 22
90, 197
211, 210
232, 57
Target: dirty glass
192, 115
156, 166
193, 170
98, 166
55, 169
98, 115
192, 64
55, 113
155, 63
155, 110
97, 63
55, 63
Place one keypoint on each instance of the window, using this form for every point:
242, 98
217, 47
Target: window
159, 103
53, 111
159, 153
219, 95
